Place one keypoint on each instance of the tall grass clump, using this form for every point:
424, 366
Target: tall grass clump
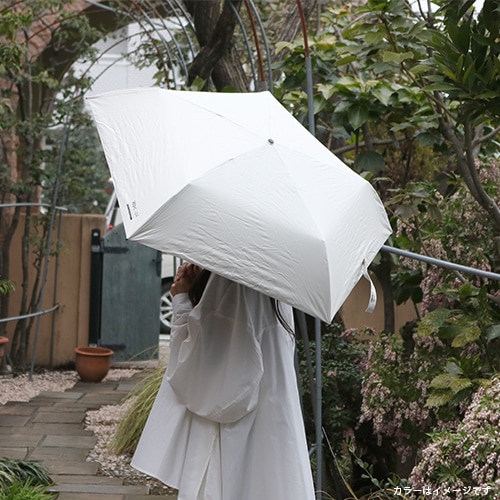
26, 491
140, 401
24, 480
22, 471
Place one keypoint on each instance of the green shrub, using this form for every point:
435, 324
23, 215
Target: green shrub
342, 355
343, 352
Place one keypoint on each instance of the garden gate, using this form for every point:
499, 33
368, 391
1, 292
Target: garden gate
130, 297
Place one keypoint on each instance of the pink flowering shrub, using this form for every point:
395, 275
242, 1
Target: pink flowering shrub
465, 459
451, 227
424, 381
427, 382
395, 389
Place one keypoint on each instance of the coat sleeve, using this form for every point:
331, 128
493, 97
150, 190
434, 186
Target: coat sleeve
215, 364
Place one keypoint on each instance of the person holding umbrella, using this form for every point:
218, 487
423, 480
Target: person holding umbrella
227, 423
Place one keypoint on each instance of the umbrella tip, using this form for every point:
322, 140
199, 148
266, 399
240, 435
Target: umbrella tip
270, 141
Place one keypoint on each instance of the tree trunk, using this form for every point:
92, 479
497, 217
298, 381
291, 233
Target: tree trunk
214, 30
290, 21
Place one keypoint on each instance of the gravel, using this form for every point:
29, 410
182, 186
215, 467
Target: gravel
102, 422
22, 389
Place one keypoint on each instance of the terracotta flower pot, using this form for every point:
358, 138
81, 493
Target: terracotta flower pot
92, 363
3, 341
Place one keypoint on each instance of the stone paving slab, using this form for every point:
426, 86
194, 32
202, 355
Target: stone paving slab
12, 440
127, 386
105, 489
58, 417
102, 399
59, 429
72, 468
59, 454
34, 403
85, 407
89, 388
13, 420
63, 408
50, 395
19, 453
10, 409
88, 496
156, 497
62, 441
81, 479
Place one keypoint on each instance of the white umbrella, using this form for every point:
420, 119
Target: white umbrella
235, 184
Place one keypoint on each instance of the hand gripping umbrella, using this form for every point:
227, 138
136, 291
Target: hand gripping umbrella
234, 183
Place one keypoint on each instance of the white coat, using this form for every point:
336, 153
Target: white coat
227, 423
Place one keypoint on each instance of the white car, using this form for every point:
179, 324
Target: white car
169, 267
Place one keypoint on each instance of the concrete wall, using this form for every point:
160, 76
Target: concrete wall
60, 332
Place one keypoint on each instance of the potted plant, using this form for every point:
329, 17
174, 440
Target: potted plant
92, 363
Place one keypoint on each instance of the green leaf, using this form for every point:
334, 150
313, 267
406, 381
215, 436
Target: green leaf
326, 90
441, 87
407, 210
460, 384
437, 399
428, 138
453, 368
396, 57
468, 79
491, 94
345, 60
432, 321
383, 93
459, 64
197, 84
471, 334
370, 161
374, 37
347, 82
443, 381
449, 331
418, 69
357, 115
434, 212
460, 35
492, 332
318, 104
282, 45
381, 67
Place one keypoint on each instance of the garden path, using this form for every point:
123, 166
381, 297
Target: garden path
50, 428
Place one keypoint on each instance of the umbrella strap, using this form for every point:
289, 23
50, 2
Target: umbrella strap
373, 291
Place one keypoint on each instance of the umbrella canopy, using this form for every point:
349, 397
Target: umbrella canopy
235, 184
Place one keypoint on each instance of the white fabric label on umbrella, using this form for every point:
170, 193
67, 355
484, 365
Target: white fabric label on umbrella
373, 291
